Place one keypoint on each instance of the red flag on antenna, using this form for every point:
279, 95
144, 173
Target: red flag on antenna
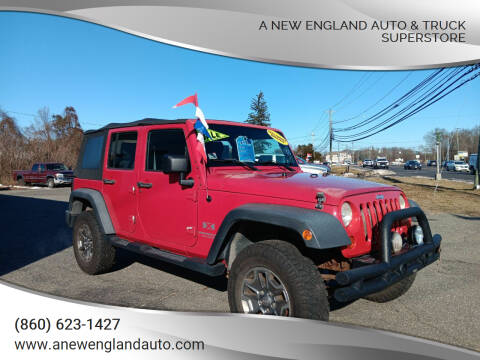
192, 99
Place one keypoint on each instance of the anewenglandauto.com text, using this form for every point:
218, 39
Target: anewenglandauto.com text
110, 345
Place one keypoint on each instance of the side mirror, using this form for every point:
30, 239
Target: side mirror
177, 164
174, 164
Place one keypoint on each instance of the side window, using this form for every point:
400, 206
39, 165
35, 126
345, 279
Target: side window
92, 152
35, 167
121, 154
164, 142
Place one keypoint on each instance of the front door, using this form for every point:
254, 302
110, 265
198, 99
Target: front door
167, 210
120, 181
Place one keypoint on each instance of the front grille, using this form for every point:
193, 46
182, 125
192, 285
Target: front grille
372, 213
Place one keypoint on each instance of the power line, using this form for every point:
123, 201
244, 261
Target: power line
438, 84
377, 102
430, 101
36, 116
417, 88
362, 93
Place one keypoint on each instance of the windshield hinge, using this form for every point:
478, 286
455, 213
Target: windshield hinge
320, 200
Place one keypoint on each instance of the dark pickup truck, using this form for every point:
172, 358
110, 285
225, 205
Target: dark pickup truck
50, 174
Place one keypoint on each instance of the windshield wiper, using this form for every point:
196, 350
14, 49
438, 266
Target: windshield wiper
234, 161
274, 163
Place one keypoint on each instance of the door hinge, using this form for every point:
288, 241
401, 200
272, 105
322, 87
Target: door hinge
190, 230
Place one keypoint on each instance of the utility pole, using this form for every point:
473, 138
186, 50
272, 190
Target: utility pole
330, 131
448, 149
476, 184
438, 175
313, 147
353, 154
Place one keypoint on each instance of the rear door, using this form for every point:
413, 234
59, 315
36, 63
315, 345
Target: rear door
42, 174
167, 210
120, 179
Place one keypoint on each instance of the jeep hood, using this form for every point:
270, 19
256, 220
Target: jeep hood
291, 185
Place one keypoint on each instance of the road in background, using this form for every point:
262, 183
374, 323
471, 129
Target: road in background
429, 171
443, 303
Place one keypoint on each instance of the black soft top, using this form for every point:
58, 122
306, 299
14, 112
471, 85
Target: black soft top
143, 122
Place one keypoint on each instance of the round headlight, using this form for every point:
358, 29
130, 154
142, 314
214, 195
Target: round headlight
346, 214
401, 200
418, 234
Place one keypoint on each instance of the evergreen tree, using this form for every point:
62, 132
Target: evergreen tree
259, 114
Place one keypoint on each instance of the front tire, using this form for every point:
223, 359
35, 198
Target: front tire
393, 291
50, 183
94, 254
273, 278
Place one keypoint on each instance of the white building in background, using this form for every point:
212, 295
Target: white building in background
339, 157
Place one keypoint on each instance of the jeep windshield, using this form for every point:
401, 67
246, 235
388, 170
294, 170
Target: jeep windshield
247, 146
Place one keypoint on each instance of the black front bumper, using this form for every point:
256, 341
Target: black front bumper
368, 279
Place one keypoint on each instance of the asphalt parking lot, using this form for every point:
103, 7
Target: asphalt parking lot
443, 304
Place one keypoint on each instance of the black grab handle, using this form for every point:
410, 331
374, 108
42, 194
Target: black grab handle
144, 185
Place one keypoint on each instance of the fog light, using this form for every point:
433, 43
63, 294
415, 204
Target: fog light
397, 242
418, 234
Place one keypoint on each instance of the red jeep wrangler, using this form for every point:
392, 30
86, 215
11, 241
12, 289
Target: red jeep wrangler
289, 242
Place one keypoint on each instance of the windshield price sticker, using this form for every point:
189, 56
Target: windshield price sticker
245, 149
276, 136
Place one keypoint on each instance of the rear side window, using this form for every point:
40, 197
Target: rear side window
35, 167
92, 152
121, 154
164, 142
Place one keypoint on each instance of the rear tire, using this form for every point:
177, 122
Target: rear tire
393, 291
21, 181
94, 254
273, 278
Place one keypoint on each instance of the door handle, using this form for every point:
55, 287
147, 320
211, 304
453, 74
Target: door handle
144, 185
108, 181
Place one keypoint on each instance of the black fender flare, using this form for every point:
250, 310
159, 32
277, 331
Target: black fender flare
99, 207
327, 231
413, 203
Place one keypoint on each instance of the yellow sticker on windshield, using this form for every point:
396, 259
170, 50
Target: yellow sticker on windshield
276, 136
216, 136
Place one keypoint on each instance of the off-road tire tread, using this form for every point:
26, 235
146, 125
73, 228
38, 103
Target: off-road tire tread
298, 273
103, 257
393, 291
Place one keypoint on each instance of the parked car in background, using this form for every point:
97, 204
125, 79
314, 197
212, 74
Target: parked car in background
472, 163
446, 162
367, 162
432, 163
50, 174
381, 163
458, 166
312, 168
412, 165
